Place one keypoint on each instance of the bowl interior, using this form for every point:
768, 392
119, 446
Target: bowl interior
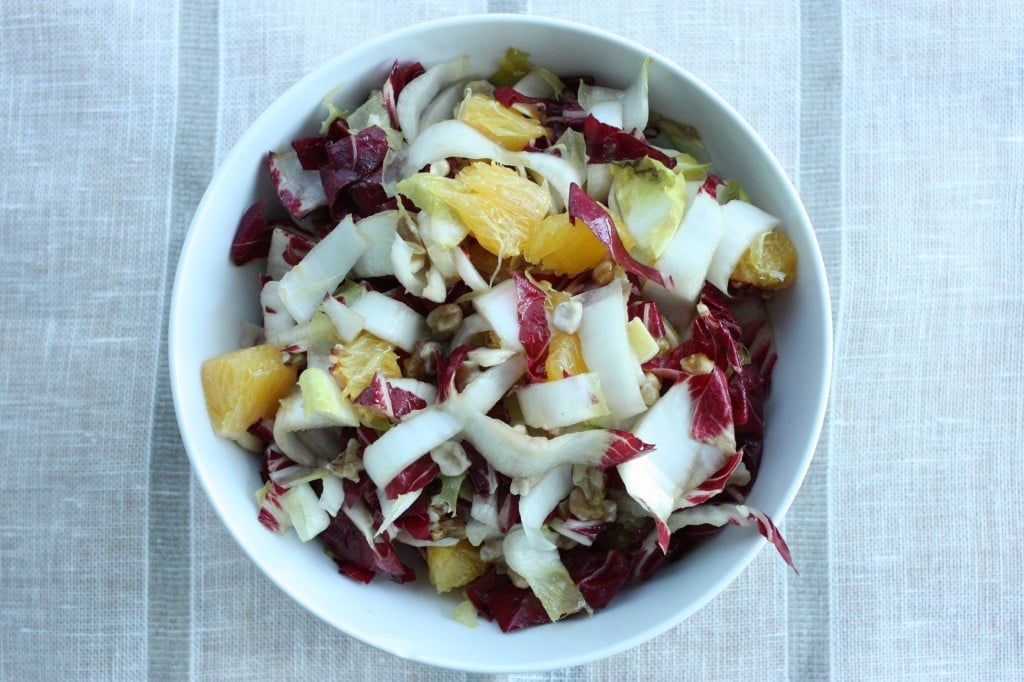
211, 298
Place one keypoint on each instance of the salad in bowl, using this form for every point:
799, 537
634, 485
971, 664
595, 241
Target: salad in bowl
546, 330
513, 333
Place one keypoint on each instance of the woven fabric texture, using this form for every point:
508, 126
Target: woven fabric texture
902, 124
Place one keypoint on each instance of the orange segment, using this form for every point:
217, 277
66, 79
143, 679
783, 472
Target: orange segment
509, 128
565, 357
501, 208
563, 247
355, 363
768, 263
244, 386
454, 565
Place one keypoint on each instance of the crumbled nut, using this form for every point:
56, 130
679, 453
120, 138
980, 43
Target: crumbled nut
663, 345
566, 316
603, 273
451, 458
586, 501
611, 510
697, 364
445, 320
414, 367
650, 389
422, 362
492, 340
448, 528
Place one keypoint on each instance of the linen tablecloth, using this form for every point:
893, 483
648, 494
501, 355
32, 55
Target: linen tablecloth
902, 125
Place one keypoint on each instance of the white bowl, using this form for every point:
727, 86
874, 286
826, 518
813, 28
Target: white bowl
211, 298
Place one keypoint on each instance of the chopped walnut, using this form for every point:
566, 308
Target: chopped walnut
697, 364
587, 500
448, 528
422, 362
566, 316
451, 458
650, 389
445, 320
603, 273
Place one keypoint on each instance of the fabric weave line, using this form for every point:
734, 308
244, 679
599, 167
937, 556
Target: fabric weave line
807, 524
170, 481
508, 6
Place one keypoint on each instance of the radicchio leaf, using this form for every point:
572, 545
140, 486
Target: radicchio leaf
414, 477
534, 332
647, 312
416, 520
447, 369
497, 599
749, 388
737, 515
600, 222
607, 143
558, 115
482, 475
391, 401
360, 559
714, 333
299, 190
272, 514
252, 238
622, 447
296, 248
714, 485
262, 430
358, 490
583, 532
351, 177
711, 185
712, 417
599, 575
312, 151
543, 106
397, 80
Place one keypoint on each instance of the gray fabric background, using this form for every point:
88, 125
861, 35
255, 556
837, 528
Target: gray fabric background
902, 125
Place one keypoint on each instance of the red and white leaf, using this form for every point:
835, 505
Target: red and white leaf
737, 515
601, 223
300, 190
534, 332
